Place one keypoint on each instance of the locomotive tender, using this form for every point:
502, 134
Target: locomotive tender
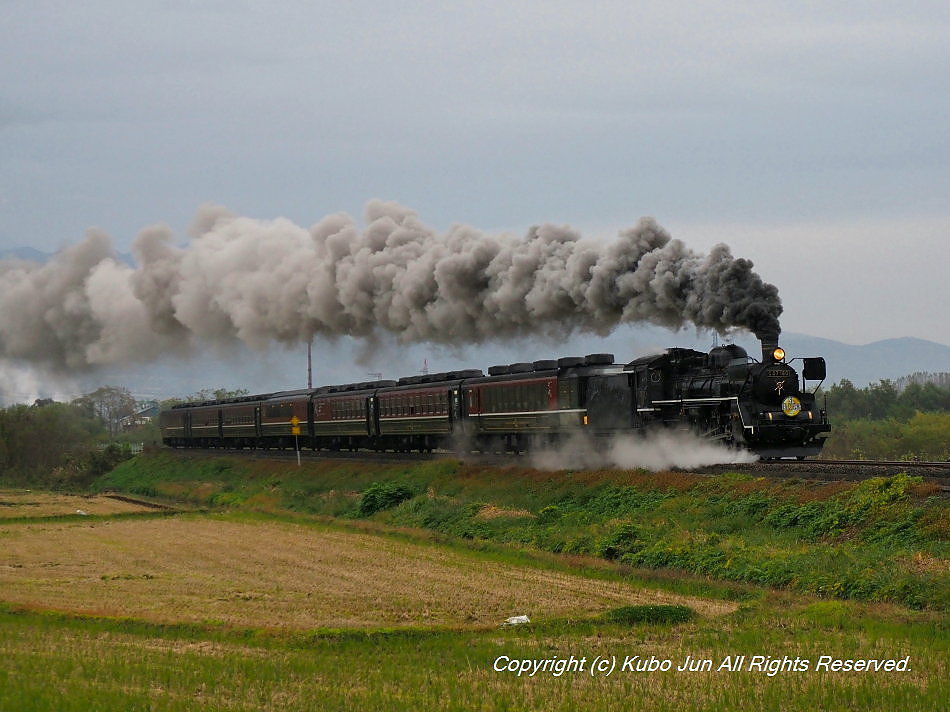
722, 395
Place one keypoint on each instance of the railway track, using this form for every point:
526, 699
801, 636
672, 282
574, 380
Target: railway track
822, 470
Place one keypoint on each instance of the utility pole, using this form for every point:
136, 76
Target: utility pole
310, 363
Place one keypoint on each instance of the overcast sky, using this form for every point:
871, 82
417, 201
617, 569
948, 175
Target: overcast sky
812, 137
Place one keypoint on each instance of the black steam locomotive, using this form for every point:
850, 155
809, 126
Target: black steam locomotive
723, 395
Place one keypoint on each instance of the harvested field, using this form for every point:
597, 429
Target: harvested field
267, 573
24, 503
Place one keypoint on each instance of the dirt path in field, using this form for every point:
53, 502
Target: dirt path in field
285, 575
26, 503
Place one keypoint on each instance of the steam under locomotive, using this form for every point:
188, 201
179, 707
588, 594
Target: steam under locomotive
723, 395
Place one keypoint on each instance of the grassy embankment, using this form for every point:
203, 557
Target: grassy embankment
881, 540
351, 586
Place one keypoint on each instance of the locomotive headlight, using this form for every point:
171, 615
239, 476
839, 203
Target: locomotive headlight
791, 406
779, 354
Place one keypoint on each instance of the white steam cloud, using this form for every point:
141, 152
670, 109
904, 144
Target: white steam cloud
262, 282
655, 451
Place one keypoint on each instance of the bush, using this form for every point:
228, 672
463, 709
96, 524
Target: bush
650, 614
383, 495
623, 540
549, 515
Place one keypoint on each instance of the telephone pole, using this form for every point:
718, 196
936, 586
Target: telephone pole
310, 364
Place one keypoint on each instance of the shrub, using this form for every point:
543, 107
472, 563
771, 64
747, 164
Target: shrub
623, 540
383, 495
549, 515
650, 614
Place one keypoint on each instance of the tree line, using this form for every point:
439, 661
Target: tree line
884, 421
62, 445
884, 400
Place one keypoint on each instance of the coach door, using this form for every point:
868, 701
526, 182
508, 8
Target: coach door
455, 408
372, 416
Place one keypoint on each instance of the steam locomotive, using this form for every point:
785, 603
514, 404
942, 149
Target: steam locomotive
723, 395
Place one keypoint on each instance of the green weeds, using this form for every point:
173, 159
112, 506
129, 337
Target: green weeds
881, 540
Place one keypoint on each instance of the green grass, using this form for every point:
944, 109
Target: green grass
885, 539
54, 662
848, 571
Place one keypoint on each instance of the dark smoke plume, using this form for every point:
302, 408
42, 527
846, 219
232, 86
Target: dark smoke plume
260, 282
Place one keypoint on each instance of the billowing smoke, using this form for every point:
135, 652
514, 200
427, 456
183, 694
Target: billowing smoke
261, 282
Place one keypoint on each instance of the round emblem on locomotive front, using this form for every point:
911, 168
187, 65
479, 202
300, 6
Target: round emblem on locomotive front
791, 406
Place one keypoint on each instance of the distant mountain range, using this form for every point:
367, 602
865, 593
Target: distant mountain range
31, 254
887, 359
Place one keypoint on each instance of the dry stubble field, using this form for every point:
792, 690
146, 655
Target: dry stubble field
266, 573
298, 615
26, 503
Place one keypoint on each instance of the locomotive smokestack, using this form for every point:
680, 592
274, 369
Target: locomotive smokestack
769, 344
